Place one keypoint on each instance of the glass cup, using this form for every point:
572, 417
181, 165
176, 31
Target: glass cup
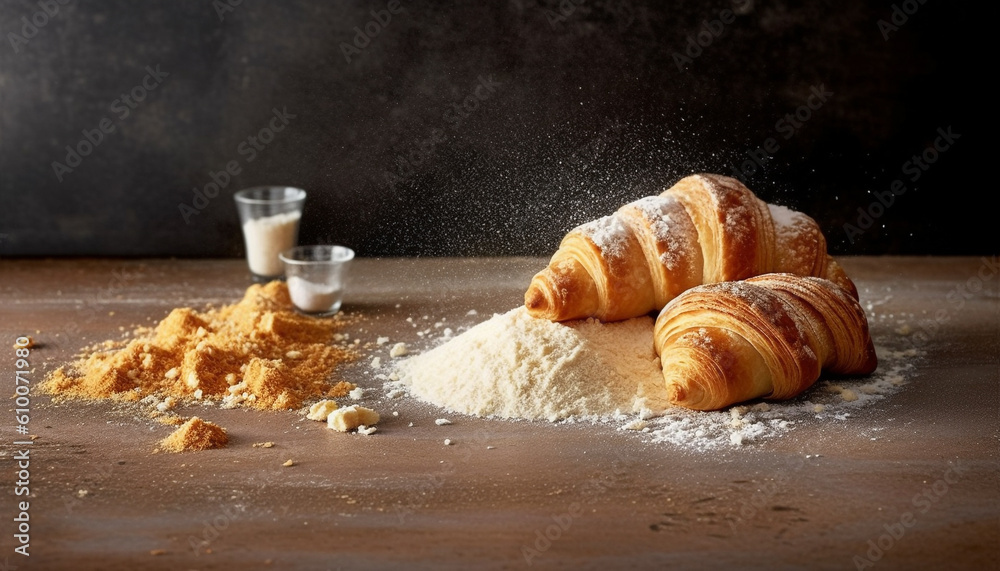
316, 276
270, 218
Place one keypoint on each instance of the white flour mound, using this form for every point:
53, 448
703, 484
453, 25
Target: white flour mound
516, 366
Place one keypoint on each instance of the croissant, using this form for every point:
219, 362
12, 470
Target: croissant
706, 228
768, 336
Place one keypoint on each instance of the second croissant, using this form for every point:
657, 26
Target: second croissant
769, 336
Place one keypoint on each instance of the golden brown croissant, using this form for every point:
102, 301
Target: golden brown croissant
706, 228
768, 336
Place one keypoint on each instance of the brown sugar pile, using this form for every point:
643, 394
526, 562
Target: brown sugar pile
195, 434
257, 353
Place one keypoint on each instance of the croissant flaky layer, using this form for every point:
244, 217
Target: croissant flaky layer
768, 336
706, 228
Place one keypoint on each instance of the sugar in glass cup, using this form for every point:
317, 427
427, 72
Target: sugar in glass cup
270, 218
316, 276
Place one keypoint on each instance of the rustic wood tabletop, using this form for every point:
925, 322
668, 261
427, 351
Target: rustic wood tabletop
908, 481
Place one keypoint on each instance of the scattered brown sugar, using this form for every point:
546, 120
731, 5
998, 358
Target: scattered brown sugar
195, 434
341, 389
170, 420
257, 353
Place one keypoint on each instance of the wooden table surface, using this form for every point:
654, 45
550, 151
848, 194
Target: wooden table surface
99, 499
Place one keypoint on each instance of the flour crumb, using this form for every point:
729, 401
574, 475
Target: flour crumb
442, 422
321, 410
398, 350
351, 417
637, 424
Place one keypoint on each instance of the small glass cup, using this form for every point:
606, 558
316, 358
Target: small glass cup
270, 218
316, 276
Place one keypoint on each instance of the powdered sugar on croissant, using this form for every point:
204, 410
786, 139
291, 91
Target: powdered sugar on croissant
706, 228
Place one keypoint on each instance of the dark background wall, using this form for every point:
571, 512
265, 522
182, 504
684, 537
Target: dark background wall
586, 108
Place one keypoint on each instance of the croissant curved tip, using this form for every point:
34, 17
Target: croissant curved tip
686, 390
690, 374
537, 303
676, 394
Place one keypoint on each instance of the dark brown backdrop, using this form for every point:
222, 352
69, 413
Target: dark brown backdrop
570, 109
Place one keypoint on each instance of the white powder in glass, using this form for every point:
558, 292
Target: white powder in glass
266, 238
312, 297
517, 366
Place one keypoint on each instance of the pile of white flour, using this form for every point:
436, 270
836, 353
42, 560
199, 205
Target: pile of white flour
516, 366
513, 366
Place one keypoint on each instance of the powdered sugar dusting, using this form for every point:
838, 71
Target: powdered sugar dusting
670, 225
656, 210
739, 203
609, 234
796, 240
785, 219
